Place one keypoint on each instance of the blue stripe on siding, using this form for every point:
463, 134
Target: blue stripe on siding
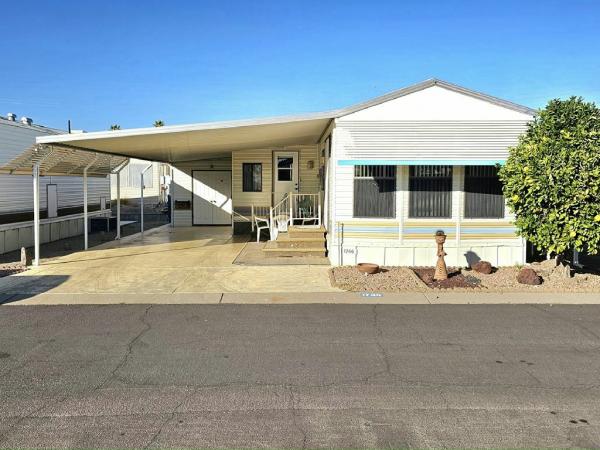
420, 162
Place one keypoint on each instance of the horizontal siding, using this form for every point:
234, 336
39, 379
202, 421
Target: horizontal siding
427, 140
246, 199
308, 177
17, 192
128, 191
15, 138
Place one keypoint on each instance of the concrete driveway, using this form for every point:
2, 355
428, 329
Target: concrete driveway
165, 261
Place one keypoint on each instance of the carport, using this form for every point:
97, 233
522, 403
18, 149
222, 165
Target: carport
56, 160
107, 152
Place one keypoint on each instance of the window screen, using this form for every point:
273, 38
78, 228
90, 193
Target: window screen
252, 177
375, 191
430, 191
483, 193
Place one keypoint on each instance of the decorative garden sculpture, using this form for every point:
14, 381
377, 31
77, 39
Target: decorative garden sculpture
441, 272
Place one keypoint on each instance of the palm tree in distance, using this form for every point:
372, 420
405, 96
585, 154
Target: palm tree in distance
115, 127
159, 123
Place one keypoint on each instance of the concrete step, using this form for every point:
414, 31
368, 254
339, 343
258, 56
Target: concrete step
296, 231
284, 237
295, 248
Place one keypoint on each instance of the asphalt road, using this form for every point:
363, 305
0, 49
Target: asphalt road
299, 376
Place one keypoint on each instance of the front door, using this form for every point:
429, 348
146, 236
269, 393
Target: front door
285, 174
211, 191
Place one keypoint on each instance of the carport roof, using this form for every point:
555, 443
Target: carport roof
58, 160
204, 140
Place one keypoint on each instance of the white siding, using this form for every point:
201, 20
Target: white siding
16, 191
427, 126
436, 103
428, 140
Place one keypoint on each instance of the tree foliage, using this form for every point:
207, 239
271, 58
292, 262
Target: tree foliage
552, 178
159, 123
115, 127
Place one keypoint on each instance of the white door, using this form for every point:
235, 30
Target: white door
285, 174
211, 197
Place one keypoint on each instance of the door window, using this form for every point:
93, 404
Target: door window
285, 167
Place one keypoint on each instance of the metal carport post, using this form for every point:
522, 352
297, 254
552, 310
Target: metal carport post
85, 203
118, 173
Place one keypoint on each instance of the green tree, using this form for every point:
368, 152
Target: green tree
115, 127
552, 178
159, 123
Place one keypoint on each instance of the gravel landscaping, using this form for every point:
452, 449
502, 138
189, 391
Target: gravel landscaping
12, 268
503, 279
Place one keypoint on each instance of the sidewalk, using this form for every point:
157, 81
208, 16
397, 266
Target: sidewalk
287, 298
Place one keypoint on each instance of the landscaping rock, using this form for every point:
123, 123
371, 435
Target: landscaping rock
529, 276
25, 257
483, 267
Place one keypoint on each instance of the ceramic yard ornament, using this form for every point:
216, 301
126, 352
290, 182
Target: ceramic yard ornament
441, 272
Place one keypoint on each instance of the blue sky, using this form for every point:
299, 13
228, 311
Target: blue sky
130, 63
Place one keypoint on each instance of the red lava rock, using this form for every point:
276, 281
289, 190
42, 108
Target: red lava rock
455, 279
529, 276
483, 267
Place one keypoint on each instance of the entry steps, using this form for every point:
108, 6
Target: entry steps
299, 241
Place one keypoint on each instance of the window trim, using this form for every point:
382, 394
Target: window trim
260, 180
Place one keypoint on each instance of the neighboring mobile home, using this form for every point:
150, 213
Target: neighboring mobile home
379, 178
61, 197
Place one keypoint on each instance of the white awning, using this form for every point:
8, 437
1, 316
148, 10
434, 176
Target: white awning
190, 142
59, 160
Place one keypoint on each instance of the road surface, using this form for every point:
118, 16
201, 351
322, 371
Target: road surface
300, 376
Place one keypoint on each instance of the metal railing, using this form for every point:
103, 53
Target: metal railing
293, 209
305, 209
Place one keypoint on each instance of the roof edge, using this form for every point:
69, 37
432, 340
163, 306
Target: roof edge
184, 128
430, 83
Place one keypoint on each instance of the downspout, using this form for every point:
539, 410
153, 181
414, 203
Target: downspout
142, 197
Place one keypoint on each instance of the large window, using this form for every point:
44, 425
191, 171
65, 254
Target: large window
375, 191
252, 177
483, 193
430, 192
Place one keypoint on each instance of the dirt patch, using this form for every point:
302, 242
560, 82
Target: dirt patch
455, 279
7, 269
390, 279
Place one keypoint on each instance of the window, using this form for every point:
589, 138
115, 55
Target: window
430, 191
285, 166
483, 193
375, 191
252, 177
133, 175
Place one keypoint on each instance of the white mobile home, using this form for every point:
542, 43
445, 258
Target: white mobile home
61, 197
377, 179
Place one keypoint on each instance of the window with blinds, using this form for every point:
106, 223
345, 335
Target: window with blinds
375, 191
430, 193
483, 193
252, 177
